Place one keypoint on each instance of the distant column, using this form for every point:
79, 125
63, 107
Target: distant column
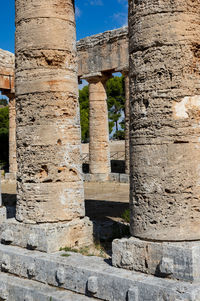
12, 136
127, 123
99, 148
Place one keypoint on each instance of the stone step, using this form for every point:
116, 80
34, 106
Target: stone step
94, 276
17, 289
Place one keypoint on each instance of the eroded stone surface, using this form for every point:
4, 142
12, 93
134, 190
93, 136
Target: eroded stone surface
175, 260
47, 237
165, 124
12, 136
7, 62
103, 52
15, 289
49, 180
75, 271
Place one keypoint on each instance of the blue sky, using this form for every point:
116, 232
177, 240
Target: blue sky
92, 17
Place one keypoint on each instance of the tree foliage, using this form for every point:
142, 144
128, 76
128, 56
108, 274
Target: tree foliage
84, 113
4, 136
116, 106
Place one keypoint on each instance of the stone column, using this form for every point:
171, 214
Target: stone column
164, 41
12, 136
50, 196
99, 148
165, 107
49, 179
127, 122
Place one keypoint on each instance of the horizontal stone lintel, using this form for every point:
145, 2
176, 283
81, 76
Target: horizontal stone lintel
93, 276
173, 260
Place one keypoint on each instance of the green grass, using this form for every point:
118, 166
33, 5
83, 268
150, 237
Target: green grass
83, 251
126, 215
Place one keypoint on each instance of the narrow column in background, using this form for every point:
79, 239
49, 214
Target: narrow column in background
99, 148
12, 136
127, 122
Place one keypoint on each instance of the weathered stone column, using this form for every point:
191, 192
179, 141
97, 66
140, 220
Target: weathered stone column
12, 136
165, 107
164, 40
50, 186
127, 122
49, 178
99, 148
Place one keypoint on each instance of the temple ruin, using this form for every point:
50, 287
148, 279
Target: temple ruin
160, 261
96, 69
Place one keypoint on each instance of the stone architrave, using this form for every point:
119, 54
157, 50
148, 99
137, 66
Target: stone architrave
99, 148
12, 136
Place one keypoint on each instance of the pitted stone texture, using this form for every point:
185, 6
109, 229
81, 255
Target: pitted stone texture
7, 64
113, 284
175, 260
16, 289
165, 106
7, 236
49, 179
102, 52
99, 148
48, 237
12, 136
127, 124
0, 192
92, 284
133, 294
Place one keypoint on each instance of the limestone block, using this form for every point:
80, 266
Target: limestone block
48, 237
133, 294
92, 285
95, 55
124, 178
76, 271
16, 289
114, 177
175, 260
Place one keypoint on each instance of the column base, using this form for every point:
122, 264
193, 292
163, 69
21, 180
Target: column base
48, 237
98, 177
175, 260
10, 176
